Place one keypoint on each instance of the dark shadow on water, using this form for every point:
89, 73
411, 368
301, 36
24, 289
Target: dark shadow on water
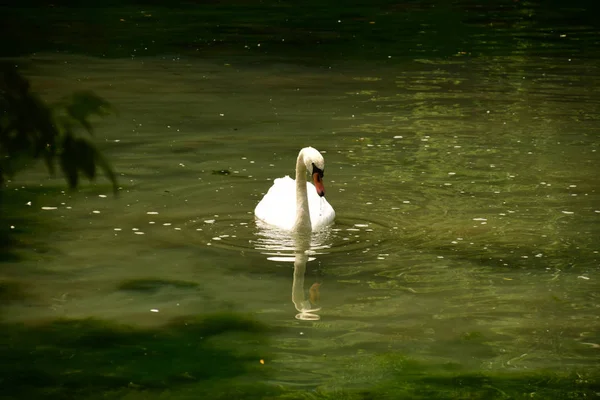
304, 32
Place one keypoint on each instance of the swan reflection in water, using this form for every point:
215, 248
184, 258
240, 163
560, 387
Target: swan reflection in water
299, 248
290, 217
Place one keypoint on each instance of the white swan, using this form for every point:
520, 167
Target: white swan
298, 206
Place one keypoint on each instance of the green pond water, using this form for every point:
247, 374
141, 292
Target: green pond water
465, 186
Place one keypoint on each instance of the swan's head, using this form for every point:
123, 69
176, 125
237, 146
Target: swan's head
315, 165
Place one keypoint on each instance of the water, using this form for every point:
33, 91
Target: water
465, 189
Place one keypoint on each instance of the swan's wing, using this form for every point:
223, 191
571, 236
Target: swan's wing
278, 206
321, 212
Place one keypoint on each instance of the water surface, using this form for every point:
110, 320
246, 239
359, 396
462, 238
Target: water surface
465, 187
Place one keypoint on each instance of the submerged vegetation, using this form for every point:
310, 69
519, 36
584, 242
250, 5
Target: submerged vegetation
225, 356
94, 359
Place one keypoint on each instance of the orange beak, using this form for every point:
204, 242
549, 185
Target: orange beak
319, 184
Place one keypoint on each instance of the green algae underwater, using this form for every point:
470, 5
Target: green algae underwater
226, 356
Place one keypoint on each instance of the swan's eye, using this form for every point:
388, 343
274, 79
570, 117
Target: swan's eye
317, 170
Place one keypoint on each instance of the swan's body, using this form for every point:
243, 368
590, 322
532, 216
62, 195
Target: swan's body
278, 207
298, 205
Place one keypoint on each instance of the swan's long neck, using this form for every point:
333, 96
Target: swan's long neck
302, 214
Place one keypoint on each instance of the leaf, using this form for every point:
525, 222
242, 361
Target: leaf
85, 156
85, 104
30, 129
68, 163
44, 125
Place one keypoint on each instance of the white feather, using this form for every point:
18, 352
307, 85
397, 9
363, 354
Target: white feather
278, 206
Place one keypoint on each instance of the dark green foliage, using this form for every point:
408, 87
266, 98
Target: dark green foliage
69, 359
31, 129
84, 104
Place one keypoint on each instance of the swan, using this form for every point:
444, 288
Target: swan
298, 205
